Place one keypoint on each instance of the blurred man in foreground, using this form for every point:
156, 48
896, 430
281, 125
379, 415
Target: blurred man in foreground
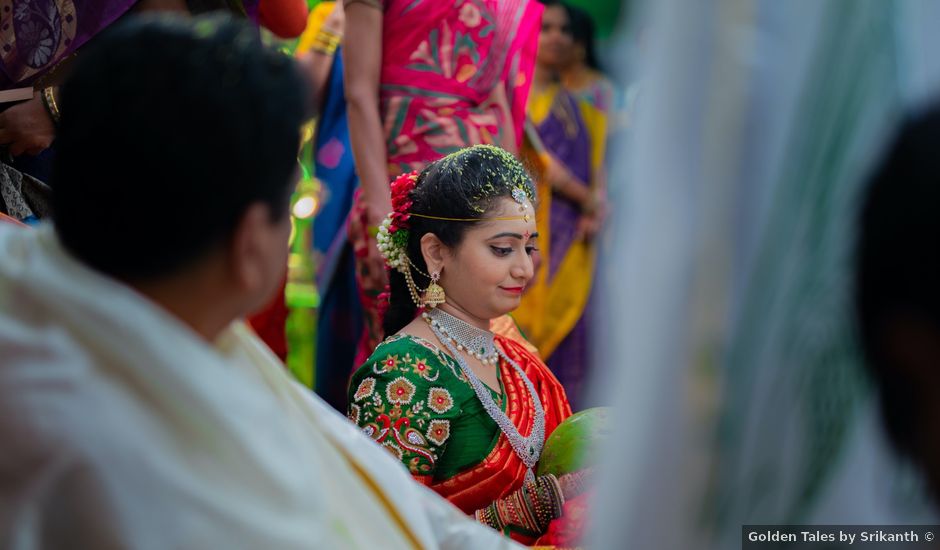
898, 290
136, 410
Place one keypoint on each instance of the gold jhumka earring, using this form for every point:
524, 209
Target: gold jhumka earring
434, 294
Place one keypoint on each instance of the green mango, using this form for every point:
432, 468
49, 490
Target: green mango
573, 444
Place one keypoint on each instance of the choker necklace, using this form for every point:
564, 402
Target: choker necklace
475, 341
458, 335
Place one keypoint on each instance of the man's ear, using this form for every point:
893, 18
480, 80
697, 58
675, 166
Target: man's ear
247, 248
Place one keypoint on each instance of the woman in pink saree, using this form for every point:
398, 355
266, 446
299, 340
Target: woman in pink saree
425, 78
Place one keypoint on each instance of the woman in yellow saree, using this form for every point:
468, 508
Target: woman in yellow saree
568, 134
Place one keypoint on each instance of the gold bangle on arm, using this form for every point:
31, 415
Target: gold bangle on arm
325, 50
49, 101
326, 42
327, 36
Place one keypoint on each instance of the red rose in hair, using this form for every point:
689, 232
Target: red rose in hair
401, 199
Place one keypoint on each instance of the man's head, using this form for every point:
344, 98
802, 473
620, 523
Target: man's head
898, 290
178, 146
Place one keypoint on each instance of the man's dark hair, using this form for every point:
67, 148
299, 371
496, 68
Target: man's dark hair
898, 263
171, 128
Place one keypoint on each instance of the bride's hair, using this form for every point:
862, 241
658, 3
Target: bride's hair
466, 184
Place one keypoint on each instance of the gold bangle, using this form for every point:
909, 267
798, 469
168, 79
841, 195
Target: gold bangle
320, 48
326, 43
328, 36
48, 99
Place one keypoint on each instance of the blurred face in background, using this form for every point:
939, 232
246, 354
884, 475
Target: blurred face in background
555, 41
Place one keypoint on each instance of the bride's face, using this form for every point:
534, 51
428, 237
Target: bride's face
486, 274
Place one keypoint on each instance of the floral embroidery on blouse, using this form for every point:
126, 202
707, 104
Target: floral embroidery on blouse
395, 403
365, 389
400, 391
420, 367
438, 431
439, 400
389, 364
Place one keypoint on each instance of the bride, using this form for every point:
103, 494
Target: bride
465, 410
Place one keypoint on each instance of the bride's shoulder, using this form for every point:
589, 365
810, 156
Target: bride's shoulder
410, 356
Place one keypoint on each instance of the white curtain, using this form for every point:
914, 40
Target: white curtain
728, 350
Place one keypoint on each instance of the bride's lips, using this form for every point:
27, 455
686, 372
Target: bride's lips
513, 289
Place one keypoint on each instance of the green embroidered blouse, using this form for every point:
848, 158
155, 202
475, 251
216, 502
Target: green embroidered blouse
414, 400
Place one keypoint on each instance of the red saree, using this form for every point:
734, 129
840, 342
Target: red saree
414, 400
502, 471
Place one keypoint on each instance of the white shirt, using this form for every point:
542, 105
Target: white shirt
122, 428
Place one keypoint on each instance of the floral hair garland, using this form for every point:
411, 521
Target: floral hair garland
392, 237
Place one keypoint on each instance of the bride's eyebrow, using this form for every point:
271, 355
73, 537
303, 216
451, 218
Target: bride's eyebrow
513, 235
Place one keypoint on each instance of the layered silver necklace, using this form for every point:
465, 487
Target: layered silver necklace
457, 336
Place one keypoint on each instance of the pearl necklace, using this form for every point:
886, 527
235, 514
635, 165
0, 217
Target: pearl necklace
458, 335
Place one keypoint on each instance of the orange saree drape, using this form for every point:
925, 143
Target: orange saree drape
502, 471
